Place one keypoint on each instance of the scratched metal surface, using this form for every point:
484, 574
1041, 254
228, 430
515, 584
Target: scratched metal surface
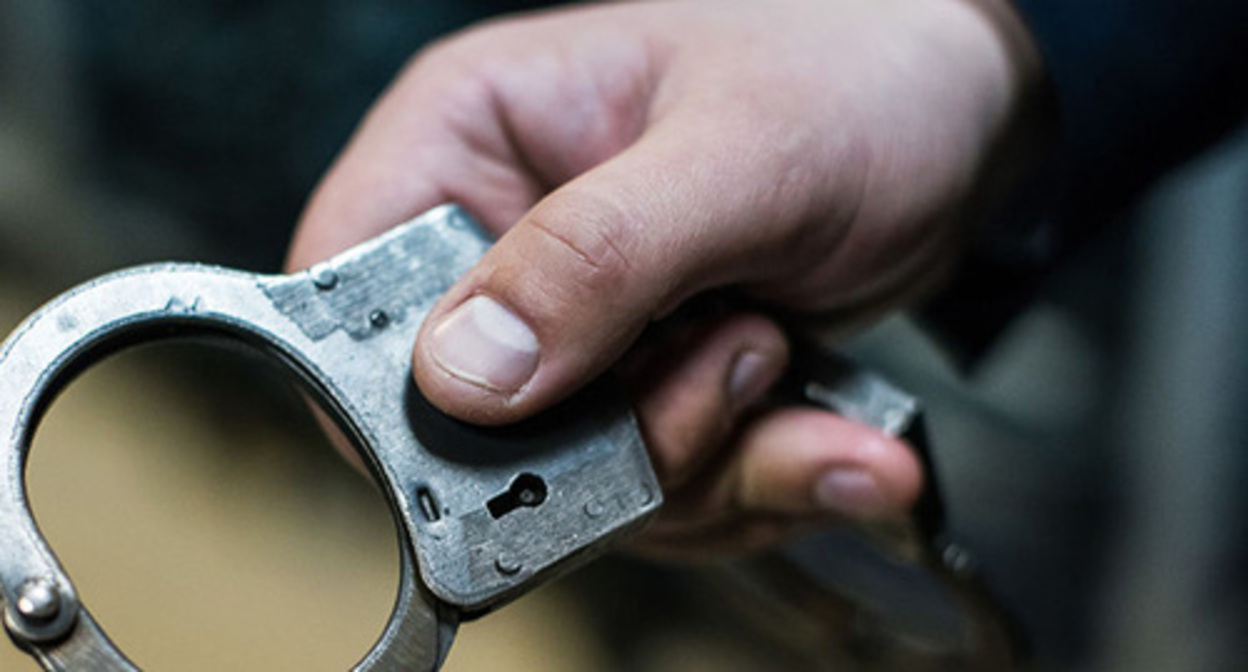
346, 328
216, 530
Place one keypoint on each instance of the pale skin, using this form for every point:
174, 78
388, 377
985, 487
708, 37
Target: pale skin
822, 157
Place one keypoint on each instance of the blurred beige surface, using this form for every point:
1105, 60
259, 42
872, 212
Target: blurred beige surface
201, 541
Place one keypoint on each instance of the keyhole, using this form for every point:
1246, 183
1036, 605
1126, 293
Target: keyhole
527, 490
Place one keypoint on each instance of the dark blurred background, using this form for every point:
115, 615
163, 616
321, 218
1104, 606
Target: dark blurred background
1093, 458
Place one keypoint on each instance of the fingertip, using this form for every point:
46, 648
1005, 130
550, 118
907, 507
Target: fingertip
473, 360
691, 394
891, 462
484, 344
759, 362
806, 461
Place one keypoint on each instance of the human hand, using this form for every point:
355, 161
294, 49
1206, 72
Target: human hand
819, 156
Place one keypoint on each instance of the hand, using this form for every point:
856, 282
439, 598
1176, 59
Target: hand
820, 156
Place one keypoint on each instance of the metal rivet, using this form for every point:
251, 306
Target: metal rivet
647, 495
379, 319
38, 600
325, 279
594, 508
507, 565
958, 559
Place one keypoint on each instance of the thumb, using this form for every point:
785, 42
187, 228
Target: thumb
569, 288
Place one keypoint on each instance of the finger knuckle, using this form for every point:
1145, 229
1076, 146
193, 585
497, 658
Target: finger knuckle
594, 240
462, 70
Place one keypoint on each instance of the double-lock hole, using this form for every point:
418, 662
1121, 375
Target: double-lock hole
525, 491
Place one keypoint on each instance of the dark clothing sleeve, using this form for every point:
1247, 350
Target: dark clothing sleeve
1138, 87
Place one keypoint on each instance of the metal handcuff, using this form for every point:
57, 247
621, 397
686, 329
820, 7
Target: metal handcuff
483, 514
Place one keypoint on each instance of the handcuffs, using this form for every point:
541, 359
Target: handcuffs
483, 514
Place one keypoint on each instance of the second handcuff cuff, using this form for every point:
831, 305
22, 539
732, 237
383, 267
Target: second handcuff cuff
483, 514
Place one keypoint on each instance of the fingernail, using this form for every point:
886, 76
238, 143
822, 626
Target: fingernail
748, 379
849, 491
484, 344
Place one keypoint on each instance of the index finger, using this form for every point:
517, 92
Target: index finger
434, 137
